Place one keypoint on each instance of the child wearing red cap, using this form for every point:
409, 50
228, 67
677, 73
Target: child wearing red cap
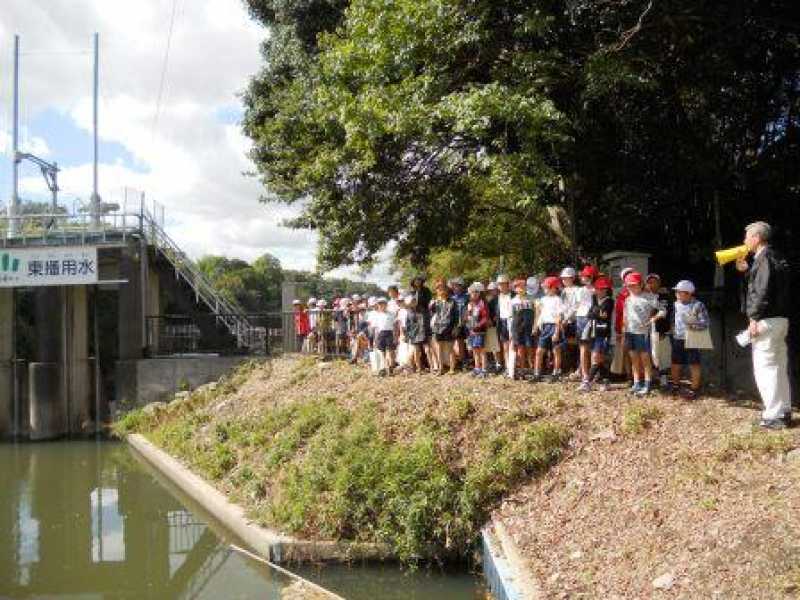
640, 312
551, 314
523, 311
584, 301
599, 326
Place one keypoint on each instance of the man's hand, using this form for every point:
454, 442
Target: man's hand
753, 328
741, 265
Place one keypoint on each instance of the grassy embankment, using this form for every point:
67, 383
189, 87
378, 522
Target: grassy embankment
322, 450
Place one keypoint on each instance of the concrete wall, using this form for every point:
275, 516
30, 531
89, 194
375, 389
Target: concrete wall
139, 382
6, 360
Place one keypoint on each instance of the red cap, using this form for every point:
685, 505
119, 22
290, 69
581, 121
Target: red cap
602, 283
589, 271
551, 282
633, 278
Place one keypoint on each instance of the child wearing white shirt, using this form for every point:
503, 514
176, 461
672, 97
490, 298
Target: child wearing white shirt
551, 314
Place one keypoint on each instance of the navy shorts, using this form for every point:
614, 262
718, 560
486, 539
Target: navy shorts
637, 342
599, 344
546, 337
502, 330
477, 340
583, 330
681, 355
523, 339
385, 341
568, 329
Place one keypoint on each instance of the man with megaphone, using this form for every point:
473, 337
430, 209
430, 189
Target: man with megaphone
765, 302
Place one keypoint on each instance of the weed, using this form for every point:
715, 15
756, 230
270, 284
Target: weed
639, 416
756, 443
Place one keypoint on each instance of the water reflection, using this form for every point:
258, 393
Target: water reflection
84, 519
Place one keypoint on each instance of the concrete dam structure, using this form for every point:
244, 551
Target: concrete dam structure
83, 307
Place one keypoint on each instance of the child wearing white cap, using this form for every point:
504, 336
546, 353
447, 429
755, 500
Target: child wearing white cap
690, 314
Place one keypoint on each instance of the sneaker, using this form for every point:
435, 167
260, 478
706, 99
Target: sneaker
635, 387
787, 419
690, 394
774, 424
481, 374
535, 378
474, 372
574, 376
644, 389
555, 377
584, 387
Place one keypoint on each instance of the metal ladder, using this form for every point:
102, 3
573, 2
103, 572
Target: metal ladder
228, 312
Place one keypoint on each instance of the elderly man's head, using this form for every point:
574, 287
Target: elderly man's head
756, 235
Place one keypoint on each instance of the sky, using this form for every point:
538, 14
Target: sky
185, 151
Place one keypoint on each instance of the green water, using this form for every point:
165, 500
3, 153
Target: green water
86, 520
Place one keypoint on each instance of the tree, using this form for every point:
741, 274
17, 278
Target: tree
461, 125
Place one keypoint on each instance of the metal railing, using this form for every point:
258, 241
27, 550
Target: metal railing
52, 229
169, 335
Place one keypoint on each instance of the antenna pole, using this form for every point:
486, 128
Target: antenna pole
95, 203
13, 207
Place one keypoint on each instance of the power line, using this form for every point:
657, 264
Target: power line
164, 66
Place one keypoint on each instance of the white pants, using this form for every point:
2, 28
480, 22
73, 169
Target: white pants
771, 368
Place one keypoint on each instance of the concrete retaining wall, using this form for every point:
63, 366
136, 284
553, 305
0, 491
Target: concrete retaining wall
267, 543
139, 382
504, 570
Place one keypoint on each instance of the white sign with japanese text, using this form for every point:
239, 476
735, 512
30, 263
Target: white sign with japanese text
48, 266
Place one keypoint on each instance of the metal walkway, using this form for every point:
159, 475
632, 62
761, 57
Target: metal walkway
118, 230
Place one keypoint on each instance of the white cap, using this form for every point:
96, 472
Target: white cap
322, 302
532, 285
410, 299
492, 286
381, 300
356, 297
624, 272
312, 300
476, 286
458, 281
684, 286
568, 272
296, 302
503, 279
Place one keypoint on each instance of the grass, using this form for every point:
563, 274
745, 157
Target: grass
640, 416
321, 467
755, 443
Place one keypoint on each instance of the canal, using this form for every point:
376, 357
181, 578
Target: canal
88, 520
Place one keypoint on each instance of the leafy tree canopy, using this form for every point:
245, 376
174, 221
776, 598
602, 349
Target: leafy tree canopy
530, 130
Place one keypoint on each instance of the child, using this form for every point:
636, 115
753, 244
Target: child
661, 349
340, 319
323, 327
640, 312
384, 323
599, 325
584, 300
550, 323
461, 298
504, 315
477, 323
310, 345
445, 319
522, 323
492, 339
690, 313
301, 326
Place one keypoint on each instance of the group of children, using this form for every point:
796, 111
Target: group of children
520, 328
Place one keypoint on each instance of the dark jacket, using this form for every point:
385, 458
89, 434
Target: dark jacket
766, 287
446, 313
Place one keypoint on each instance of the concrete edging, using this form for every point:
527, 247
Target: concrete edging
272, 545
505, 572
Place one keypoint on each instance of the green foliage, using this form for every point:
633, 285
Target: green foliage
447, 125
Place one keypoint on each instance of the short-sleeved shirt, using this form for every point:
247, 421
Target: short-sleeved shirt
522, 314
638, 312
552, 309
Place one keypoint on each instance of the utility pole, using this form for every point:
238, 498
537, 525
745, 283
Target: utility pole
13, 206
96, 202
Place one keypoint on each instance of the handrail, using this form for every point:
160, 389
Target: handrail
232, 314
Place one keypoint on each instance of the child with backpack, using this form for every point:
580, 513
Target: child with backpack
523, 317
445, 318
477, 323
599, 325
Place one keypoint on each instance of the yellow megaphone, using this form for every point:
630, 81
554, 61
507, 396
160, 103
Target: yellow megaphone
731, 254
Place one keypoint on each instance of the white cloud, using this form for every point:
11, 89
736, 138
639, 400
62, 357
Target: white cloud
192, 163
